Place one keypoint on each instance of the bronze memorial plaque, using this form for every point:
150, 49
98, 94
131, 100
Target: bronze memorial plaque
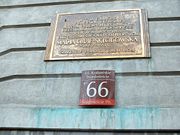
98, 35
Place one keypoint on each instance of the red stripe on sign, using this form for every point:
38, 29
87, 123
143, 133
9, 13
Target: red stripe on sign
97, 102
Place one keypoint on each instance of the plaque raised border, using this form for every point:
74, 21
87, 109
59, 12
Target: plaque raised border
55, 32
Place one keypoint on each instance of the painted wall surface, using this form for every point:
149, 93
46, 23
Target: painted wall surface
44, 95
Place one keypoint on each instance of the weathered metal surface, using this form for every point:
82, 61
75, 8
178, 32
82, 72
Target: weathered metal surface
97, 88
15, 36
80, 132
31, 62
99, 35
44, 14
23, 3
32, 91
134, 90
103, 119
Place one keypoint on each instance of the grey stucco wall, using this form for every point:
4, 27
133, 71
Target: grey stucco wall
25, 132
38, 94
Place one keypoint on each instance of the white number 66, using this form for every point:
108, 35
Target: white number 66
100, 89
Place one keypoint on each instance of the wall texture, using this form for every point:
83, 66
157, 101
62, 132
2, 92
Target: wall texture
38, 94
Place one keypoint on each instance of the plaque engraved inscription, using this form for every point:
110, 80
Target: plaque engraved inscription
96, 35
